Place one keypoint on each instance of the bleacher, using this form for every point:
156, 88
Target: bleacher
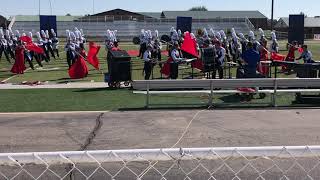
129, 29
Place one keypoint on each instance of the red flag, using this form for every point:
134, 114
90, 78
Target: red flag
246, 90
189, 45
33, 47
166, 68
277, 57
18, 66
198, 64
92, 55
79, 69
30, 45
26, 39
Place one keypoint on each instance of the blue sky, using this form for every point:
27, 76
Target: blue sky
80, 7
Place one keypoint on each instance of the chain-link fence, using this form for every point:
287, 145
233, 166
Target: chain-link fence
256, 163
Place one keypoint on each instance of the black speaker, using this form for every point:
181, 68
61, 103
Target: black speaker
296, 28
48, 23
208, 58
119, 66
184, 24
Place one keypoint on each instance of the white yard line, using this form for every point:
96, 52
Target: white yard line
3, 81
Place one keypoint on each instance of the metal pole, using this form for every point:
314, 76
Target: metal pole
92, 6
272, 10
39, 8
50, 7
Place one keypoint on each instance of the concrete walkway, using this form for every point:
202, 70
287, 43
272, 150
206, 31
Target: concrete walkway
76, 85
29, 132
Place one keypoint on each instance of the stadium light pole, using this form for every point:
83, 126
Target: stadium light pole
92, 6
50, 6
39, 7
272, 10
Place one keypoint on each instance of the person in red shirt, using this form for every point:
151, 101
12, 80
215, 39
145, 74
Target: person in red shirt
263, 68
291, 55
19, 66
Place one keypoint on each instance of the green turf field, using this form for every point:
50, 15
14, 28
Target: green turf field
56, 70
104, 99
43, 100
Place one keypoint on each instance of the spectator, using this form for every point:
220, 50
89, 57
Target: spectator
251, 59
306, 55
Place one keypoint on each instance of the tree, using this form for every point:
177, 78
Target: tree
198, 8
68, 14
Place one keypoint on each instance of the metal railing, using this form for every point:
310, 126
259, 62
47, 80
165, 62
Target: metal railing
250, 25
300, 162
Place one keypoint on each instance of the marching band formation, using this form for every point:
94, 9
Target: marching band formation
248, 51
223, 49
75, 44
48, 41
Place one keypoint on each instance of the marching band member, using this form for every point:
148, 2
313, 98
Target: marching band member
174, 37
157, 46
70, 48
225, 44
180, 37
30, 52
143, 44
28, 56
262, 36
218, 37
10, 44
19, 66
108, 41
4, 46
213, 36
274, 46
176, 57
39, 57
55, 42
49, 44
219, 61
206, 38
83, 37
45, 45
148, 65
253, 40
244, 41
235, 46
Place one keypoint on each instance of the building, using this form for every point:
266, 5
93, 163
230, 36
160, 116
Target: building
257, 19
311, 26
129, 24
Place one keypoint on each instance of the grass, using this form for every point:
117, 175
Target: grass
106, 99
60, 73
46, 100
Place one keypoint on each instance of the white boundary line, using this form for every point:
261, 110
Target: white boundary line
52, 112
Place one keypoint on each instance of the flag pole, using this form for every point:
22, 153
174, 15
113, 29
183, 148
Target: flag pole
87, 61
